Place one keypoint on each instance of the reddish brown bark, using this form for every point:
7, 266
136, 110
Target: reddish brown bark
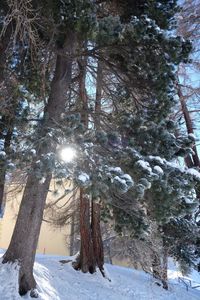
86, 261
99, 84
91, 253
95, 207
82, 62
97, 236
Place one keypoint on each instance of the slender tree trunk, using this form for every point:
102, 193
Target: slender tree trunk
109, 255
190, 129
26, 232
164, 267
96, 235
73, 225
72, 233
82, 62
156, 267
99, 85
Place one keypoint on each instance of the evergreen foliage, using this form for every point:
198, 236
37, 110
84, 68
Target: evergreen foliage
131, 162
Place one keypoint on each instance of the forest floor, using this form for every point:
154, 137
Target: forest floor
59, 281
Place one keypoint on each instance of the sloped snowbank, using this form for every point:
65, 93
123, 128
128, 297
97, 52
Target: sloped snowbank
57, 281
9, 281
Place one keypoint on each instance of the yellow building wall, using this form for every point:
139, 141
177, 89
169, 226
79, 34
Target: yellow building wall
51, 240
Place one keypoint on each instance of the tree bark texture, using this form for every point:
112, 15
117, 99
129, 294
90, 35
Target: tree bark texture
97, 236
4, 43
82, 62
99, 85
72, 235
74, 229
6, 120
26, 232
91, 253
95, 205
159, 267
164, 267
86, 261
190, 161
156, 267
190, 129
6, 123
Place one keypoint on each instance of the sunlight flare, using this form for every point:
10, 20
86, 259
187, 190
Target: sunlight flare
68, 154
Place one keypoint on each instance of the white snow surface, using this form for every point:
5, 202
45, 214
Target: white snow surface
192, 136
158, 170
194, 172
83, 177
144, 165
58, 281
157, 159
2, 153
116, 170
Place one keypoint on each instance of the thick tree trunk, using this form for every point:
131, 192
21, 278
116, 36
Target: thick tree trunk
26, 233
25, 236
96, 235
91, 253
86, 261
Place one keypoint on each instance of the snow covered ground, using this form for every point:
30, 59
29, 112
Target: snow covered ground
57, 281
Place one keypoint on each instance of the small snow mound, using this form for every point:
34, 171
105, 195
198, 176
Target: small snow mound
144, 165
194, 172
192, 137
158, 170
